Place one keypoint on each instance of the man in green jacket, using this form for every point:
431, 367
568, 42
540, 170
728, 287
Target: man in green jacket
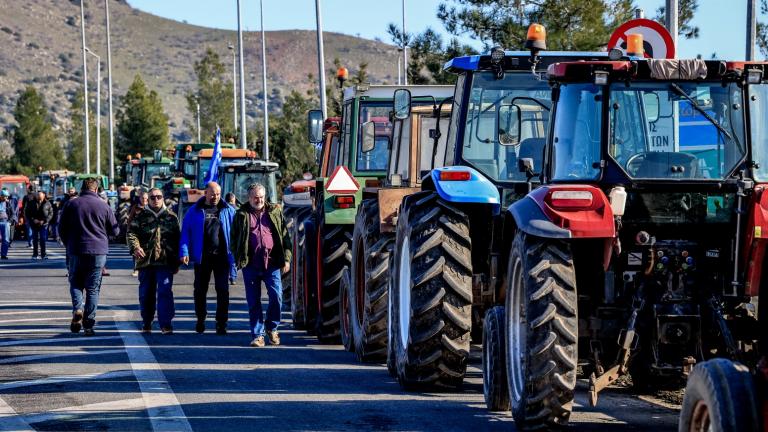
153, 238
261, 247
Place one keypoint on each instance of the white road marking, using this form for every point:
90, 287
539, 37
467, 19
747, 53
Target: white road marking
29, 358
54, 331
82, 410
31, 312
10, 420
164, 410
68, 340
64, 379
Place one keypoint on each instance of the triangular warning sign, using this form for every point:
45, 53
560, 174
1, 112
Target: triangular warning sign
341, 181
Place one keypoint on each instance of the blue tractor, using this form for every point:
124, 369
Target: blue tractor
449, 256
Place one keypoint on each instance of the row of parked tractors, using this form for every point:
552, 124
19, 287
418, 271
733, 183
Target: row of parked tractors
584, 215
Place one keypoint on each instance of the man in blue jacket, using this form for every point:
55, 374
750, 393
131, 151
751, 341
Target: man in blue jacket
87, 223
205, 243
7, 220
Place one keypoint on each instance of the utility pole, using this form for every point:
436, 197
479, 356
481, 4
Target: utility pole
243, 141
320, 59
234, 86
672, 20
265, 151
198, 121
87, 151
109, 91
751, 29
98, 110
405, 50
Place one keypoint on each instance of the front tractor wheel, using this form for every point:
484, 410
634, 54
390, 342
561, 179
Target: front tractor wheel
720, 396
431, 294
542, 331
369, 285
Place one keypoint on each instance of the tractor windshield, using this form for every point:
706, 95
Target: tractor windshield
156, 170
238, 182
378, 113
15, 188
656, 130
506, 120
758, 110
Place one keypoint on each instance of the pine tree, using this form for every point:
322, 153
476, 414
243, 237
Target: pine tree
34, 141
288, 137
214, 94
142, 125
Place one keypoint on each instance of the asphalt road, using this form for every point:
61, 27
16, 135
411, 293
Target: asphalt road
52, 380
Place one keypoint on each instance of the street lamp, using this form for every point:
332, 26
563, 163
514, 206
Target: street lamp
320, 58
242, 75
265, 150
85, 91
234, 85
109, 90
98, 109
197, 102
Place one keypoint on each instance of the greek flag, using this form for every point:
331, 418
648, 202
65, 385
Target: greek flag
213, 168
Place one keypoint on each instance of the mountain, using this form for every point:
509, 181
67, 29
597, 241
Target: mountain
40, 44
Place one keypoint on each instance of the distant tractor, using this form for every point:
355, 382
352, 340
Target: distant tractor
144, 173
17, 186
364, 300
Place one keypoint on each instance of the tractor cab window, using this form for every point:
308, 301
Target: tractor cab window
576, 134
401, 137
758, 112
427, 129
376, 159
676, 130
506, 120
156, 170
238, 182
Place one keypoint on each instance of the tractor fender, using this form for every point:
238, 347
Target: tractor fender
477, 189
540, 215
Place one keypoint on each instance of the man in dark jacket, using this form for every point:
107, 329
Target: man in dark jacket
153, 238
7, 220
39, 213
28, 198
261, 246
86, 225
205, 242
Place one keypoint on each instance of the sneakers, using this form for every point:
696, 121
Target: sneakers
274, 338
90, 332
167, 330
258, 342
35, 258
146, 328
221, 330
77, 321
4, 257
200, 326
135, 273
45, 257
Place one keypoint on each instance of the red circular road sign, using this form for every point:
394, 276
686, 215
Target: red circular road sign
657, 42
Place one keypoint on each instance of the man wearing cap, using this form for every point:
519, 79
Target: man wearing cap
38, 213
7, 219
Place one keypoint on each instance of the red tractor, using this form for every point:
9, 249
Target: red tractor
642, 250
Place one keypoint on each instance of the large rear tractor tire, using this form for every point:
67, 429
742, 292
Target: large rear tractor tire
542, 331
431, 288
495, 388
368, 294
345, 330
335, 258
719, 397
303, 302
294, 223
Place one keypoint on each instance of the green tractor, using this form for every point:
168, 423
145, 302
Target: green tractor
145, 173
351, 168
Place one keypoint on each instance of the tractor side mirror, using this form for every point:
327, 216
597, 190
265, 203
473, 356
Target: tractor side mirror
509, 125
525, 165
369, 136
315, 126
651, 105
402, 103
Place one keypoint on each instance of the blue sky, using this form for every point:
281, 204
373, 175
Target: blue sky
722, 29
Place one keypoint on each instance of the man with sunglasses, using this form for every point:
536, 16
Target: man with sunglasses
153, 238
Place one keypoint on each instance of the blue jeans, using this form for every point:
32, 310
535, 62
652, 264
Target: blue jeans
5, 237
85, 281
252, 279
156, 289
28, 227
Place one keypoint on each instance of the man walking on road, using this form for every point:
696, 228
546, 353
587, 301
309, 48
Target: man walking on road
205, 242
261, 247
86, 225
7, 219
39, 213
153, 238
28, 198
